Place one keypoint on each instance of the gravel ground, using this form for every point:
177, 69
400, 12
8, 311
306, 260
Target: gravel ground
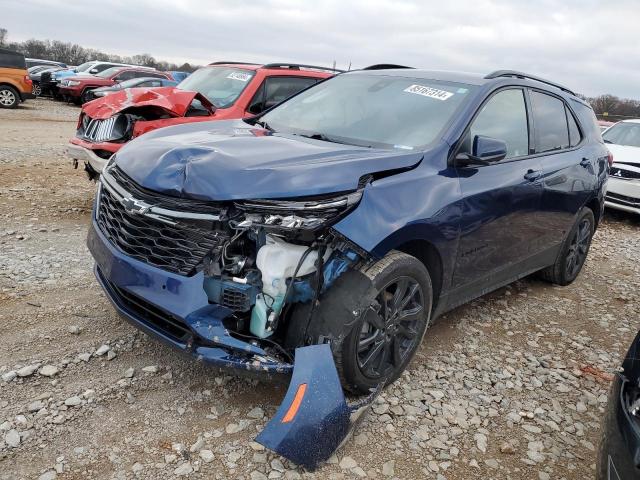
511, 386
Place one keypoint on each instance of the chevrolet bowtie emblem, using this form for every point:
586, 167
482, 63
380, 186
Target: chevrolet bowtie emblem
136, 207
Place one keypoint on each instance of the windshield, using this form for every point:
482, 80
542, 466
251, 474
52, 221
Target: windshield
108, 72
375, 110
84, 66
623, 133
220, 85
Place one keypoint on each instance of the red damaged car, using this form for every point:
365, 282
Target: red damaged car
78, 87
220, 91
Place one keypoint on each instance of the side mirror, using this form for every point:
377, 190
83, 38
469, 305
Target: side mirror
93, 70
484, 151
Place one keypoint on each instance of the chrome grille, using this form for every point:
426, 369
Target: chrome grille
618, 172
100, 130
176, 241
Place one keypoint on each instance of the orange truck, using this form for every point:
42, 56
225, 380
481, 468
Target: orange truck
15, 84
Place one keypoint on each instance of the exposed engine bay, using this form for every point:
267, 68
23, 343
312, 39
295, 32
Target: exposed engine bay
259, 259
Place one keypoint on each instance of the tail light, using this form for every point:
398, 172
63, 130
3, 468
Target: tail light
610, 159
27, 80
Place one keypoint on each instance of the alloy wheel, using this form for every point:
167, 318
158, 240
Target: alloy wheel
390, 328
7, 98
578, 248
36, 90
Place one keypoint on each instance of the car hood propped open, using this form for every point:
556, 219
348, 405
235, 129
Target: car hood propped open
173, 101
230, 160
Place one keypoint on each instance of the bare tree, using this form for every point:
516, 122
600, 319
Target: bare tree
3, 36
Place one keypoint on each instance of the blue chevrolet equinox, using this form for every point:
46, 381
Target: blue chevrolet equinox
330, 231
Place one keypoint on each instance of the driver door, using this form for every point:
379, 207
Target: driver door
499, 201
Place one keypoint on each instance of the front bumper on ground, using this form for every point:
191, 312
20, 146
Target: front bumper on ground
314, 418
623, 194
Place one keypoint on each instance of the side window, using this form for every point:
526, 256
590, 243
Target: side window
151, 74
574, 131
127, 75
503, 117
550, 120
101, 67
277, 89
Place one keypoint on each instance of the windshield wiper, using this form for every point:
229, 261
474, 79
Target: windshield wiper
265, 125
607, 141
325, 138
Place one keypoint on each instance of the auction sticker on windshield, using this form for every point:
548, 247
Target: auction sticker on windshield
429, 92
243, 77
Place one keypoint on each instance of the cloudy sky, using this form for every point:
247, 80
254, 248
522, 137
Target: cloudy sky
592, 46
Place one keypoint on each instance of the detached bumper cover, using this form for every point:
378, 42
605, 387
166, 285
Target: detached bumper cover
314, 418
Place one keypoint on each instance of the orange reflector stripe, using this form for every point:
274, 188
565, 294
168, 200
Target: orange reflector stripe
295, 405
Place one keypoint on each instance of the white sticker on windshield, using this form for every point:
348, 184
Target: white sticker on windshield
429, 92
243, 77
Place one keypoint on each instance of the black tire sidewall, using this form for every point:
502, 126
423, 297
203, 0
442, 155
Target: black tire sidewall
563, 278
403, 266
15, 94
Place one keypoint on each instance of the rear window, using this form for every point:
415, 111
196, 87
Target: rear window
10, 59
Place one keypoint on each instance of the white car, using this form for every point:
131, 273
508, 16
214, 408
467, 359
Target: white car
623, 189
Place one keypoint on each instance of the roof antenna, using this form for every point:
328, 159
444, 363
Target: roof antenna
349, 69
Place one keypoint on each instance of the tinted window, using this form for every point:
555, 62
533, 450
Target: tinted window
574, 131
275, 90
106, 72
503, 117
151, 74
550, 120
12, 60
127, 75
372, 110
102, 67
623, 133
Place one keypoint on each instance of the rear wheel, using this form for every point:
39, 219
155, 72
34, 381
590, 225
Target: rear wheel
573, 252
9, 97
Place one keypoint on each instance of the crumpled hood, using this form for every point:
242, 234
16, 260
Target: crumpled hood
172, 100
226, 160
624, 153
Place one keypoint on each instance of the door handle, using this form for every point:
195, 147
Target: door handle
532, 175
585, 162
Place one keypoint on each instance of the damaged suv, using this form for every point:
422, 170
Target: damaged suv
220, 91
330, 231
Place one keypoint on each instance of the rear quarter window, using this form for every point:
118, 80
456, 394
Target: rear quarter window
12, 60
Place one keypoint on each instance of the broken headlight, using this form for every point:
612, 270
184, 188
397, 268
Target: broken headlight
297, 214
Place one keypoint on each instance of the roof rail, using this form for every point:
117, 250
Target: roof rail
298, 66
234, 63
514, 73
384, 66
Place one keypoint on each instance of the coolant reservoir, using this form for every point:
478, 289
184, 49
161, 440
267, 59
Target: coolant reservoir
277, 261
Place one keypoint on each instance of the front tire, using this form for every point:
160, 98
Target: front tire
9, 97
573, 252
377, 325
86, 96
36, 89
